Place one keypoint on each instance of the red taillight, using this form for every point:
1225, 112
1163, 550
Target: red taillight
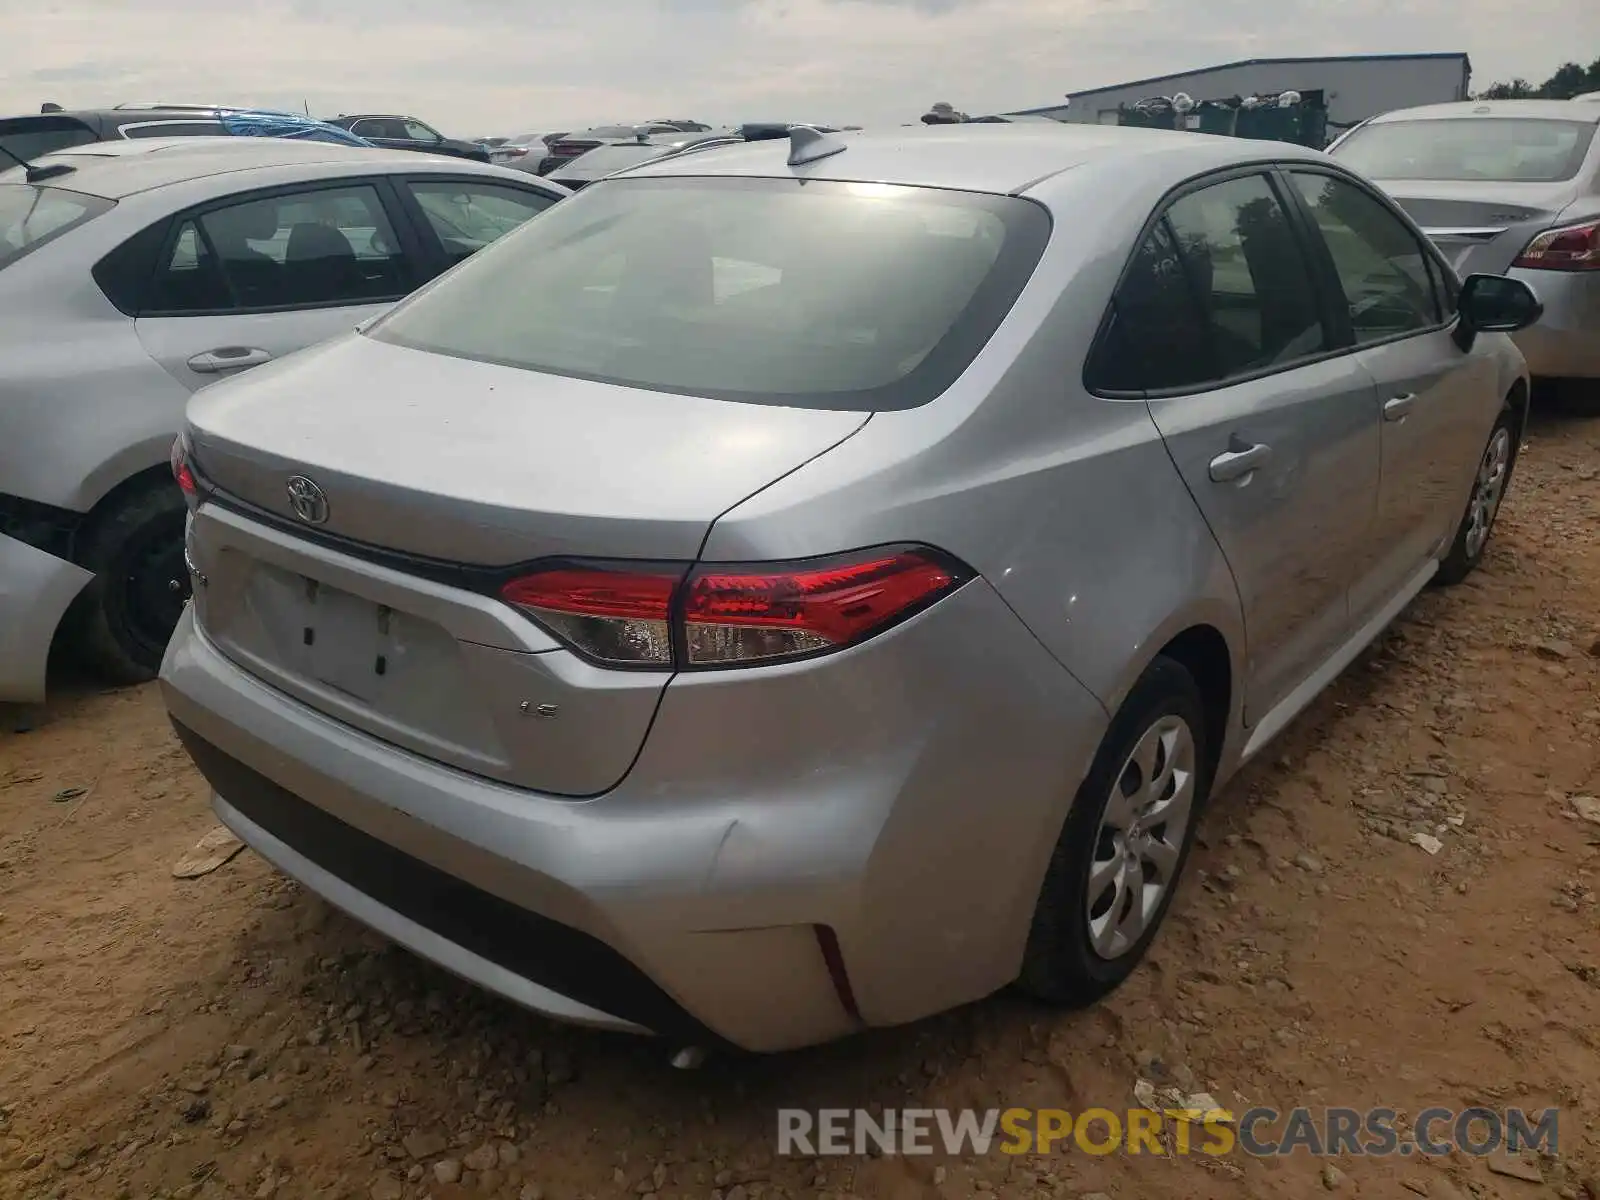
719, 616
748, 616
1571, 248
179, 461
616, 615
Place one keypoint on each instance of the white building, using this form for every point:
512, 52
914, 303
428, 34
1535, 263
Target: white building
1355, 86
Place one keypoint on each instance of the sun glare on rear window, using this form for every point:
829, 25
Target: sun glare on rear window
817, 294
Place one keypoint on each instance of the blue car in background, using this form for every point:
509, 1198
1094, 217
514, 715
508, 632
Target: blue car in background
52, 129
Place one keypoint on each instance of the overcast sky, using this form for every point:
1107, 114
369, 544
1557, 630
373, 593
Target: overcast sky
477, 67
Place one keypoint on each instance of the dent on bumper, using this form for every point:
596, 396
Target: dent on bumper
906, 795
35, 590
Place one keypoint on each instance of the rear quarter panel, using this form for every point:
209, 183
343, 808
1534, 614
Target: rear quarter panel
82, 406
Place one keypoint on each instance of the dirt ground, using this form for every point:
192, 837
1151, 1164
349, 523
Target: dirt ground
232, 1036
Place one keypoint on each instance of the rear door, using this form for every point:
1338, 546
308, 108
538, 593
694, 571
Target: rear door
459, 215
1274, 432
1435, 402
254, 277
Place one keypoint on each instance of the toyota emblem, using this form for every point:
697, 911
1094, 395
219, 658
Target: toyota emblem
309, 502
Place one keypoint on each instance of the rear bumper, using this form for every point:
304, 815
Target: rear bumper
1565, 343
905, 796
35, 591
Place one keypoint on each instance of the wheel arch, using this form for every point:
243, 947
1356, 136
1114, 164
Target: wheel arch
1209, 642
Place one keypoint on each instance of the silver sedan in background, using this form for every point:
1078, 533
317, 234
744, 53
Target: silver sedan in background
1506, 186
805, 585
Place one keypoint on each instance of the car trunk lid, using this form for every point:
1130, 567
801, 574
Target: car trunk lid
437, 477
1476, 228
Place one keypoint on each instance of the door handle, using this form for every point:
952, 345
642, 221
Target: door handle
1239, 460
1396, 409
228, 358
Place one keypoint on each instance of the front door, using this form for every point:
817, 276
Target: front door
1276, 439
255, 278
1429, 391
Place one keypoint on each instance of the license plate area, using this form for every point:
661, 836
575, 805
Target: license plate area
348, 642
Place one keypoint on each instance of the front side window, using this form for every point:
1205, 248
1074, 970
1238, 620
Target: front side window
31, 215
1382, 267
329, 247
1491, 149
1249, 273
381, 127
468, 216
815, 294
418, 132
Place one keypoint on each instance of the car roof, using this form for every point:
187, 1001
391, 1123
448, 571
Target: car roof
129, 114
1546, 110
116, 169
998, 158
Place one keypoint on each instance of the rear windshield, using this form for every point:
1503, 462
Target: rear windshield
1495, 149
812, 294
31, 215
34, 137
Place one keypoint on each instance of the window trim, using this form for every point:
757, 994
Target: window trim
1267, 169
222, 130
427, 236
399, 221
1323, 255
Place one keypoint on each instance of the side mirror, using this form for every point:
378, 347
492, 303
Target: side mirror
1494, 304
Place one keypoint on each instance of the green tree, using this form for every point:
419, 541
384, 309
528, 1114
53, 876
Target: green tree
1570, 79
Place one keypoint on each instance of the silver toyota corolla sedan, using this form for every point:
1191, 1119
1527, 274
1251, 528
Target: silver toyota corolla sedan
1505, 186
808, 585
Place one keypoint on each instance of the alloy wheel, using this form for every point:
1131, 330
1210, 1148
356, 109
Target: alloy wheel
1488, 490
1140, 839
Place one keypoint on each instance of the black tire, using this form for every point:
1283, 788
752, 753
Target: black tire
1466, 551
1061, 965
124, 618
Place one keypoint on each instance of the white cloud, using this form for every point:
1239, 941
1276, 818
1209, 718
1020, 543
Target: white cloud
481, 66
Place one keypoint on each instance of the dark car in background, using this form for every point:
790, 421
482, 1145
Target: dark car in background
408, 133
38, 134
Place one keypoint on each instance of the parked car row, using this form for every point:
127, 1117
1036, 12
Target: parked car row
844, 560
42, 133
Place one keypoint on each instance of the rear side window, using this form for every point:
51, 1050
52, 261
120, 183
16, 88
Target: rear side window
31, 215
124, 275
815, 294
322, 248
32, 137
1220, 288
1250, 275
159, 129
1154, 337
